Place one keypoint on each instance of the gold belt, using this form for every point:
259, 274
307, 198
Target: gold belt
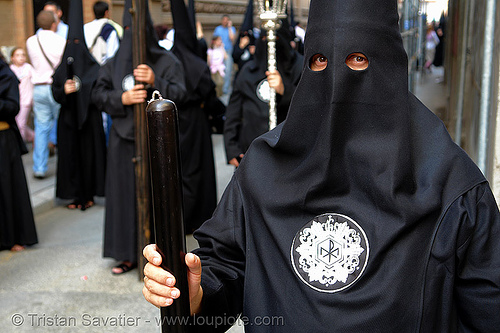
4, 125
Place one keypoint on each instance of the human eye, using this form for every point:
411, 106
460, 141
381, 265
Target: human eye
357, 61
318, 62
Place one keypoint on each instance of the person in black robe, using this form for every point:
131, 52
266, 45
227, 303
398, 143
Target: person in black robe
17, 226
115, 92
247, 114
81, 160
244, 46
358, 213
440, 32
197, 159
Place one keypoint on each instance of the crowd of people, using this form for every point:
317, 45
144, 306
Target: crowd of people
79, 82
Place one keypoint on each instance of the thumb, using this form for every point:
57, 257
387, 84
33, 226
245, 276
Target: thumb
193, 263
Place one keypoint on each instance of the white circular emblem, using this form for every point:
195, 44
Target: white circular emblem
263, 91
128, 82
330, 253
78, 82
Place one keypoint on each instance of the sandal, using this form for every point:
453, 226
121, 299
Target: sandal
74, 205
124, 268
87, 205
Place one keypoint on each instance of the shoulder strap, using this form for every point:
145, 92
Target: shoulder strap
98, 35
46, 58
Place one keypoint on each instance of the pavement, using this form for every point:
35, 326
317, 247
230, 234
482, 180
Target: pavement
63, 284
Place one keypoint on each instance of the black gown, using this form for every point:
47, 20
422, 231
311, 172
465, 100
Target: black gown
247, 114
120, 227
358, 213
17, 225
198, 168
81, 162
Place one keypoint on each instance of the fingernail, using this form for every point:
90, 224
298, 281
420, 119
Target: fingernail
174, 293
169, 301
170, 281
156, 260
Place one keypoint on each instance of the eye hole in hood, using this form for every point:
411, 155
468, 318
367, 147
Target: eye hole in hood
357, 61
318, 62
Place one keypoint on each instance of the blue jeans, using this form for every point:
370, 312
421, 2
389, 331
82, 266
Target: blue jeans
46, 111
226, 88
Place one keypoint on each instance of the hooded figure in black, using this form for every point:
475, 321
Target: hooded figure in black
17, 227
81, 160
198, 169
247, 114
358, 213
244, 46
115, 92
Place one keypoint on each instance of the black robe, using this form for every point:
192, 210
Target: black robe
247, 115
17, 225
120, 229
198, 168
358, 213
81, 159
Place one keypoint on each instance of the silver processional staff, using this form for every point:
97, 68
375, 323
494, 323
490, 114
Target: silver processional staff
271, 11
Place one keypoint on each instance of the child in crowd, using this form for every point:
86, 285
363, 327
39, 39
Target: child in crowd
216, 57
23, 71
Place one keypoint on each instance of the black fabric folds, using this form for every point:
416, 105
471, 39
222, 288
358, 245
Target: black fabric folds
358, 164
17, 225
81, 159
83, 64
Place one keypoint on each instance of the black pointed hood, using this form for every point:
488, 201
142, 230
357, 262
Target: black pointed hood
84, 66
358, 144
123, 65
291, 15
246, 27
248, 19
192, 14
186, 45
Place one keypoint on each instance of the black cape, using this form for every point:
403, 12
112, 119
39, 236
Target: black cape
81, 160
120, 234
247, 114
17, 225
358, 213
198, 168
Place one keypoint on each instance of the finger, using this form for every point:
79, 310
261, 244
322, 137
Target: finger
141, 93
156, 300
138, 100
138, 87
159, 275
152, 255
160, 289
143, 67
193, 263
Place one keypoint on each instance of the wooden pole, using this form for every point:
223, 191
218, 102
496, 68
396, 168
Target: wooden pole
141, 159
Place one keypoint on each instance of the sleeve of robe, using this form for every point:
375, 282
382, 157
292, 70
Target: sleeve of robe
222, 253
104, 94
477, 286
59, 79
233, 123
9, 101
237, 51
462, 290
170, 82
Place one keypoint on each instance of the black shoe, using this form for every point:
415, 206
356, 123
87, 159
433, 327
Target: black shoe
39, 175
